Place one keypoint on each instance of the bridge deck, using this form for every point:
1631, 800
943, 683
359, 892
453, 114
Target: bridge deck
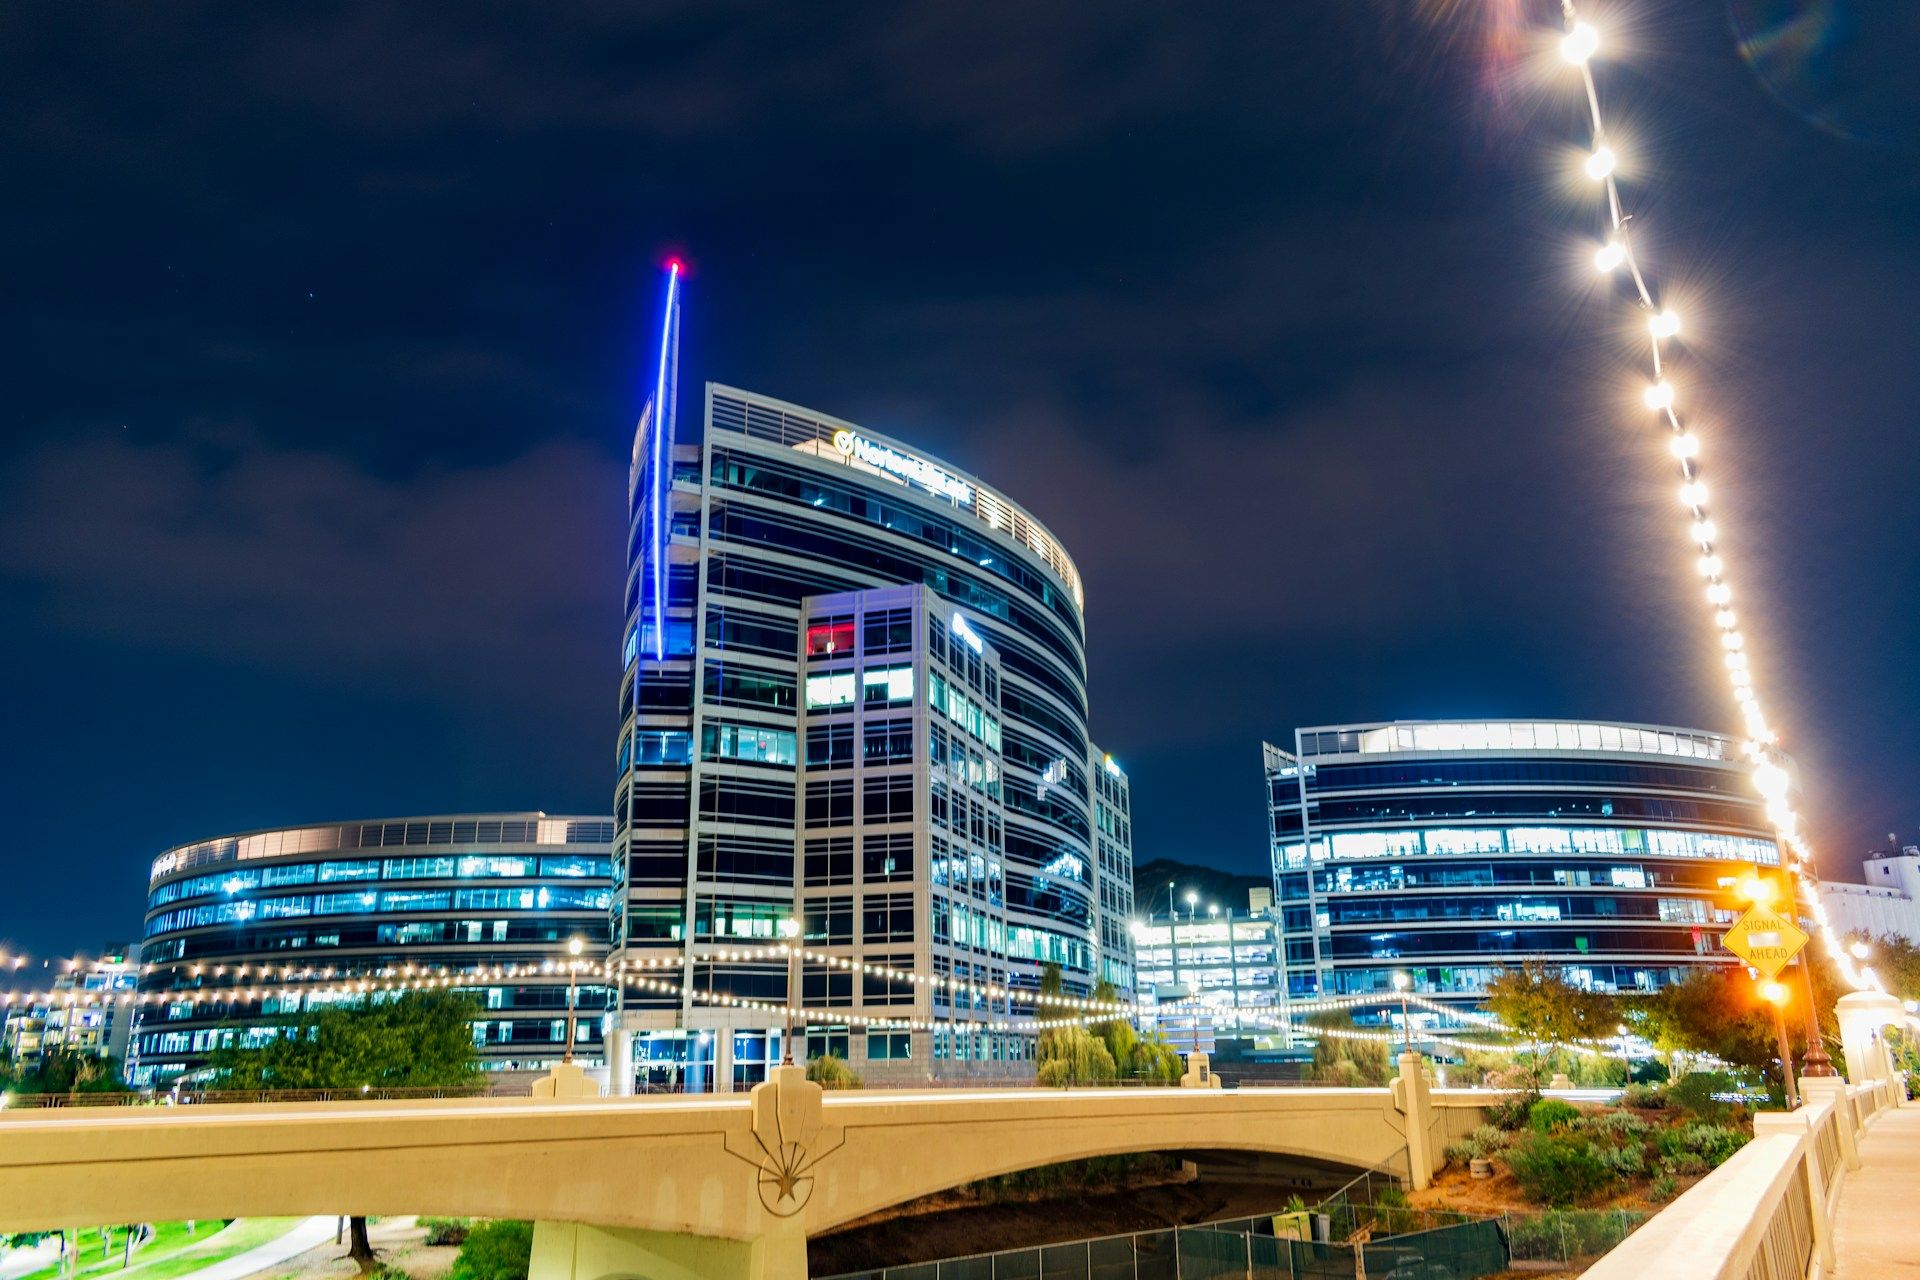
1877, 1234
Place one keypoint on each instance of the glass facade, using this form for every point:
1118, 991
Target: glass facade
916, 774
446, 895
1452, 850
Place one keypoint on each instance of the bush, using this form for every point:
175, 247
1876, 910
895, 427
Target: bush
1662, 1188
1549, 1114
1619, 1124
500, 1250
1479, 1145
1624, 1162
1710, 1143
1644, 1097
1556, 1168
831, 1072
1695, 1092
1561, 1235
1509, 1110
447, 1230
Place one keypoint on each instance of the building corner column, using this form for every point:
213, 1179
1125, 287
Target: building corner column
1413, 1098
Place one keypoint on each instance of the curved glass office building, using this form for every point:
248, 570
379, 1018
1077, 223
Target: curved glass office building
854, 693
449, 894
1449, 850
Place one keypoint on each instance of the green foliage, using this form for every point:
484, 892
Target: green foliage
830, 1071
1549, 1114
1557, 1168
1714, 1011
64, 1069
1338, 1060
1539, 1004
1156, 1060
1628, 1161
1562, 1235
499, 1250
417, 1039
1711, 1142
1483, 1143
1619, 1124
1662, 1188
1072, 1055
1644, 1097
1696, 1093
442, 1231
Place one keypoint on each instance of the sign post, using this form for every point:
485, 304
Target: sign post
1768, 941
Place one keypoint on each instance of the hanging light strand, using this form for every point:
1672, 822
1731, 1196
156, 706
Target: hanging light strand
1579, 46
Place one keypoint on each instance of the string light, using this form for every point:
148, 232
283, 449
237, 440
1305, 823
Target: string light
1578, 46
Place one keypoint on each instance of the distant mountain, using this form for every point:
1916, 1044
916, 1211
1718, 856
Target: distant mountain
1228, 888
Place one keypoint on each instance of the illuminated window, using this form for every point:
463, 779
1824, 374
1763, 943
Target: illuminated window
829, 637
886, 686
831, 690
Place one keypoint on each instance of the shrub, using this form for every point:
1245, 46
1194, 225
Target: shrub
831, 1072
1695, 1092
1629, 1161
1620, 1124
1712, 1143
1509, 1110
1556, 1168
1549, 1114
447, 1230
1662, 1188
1481, 1143
1644, 1097
500, 1250
1561, 1235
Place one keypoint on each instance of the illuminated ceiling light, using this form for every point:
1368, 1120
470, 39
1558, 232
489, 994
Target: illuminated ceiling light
1719, 593
1733, 640
1580, 43
1685, 445
1664, 325
1693, 494
1725, 619
1659, 395
1608, 256
1702, 532
1600, 163
1710, 566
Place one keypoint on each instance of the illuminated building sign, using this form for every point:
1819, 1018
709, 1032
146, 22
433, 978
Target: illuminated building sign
905, 465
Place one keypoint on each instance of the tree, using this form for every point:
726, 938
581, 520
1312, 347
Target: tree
1540, 1005
1714, 1011
417, 1039
500, 1250
1069, 1054
1346, 1060
65, 1069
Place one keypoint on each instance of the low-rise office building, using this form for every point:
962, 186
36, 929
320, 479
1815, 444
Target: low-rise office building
1450, 851
83, 1008
1886, 906
325, 907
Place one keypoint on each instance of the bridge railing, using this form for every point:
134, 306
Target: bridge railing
1767, 1213
189, 1097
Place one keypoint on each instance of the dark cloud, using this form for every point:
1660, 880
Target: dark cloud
325, 330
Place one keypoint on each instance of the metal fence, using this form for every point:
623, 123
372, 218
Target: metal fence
1247, 1247
1568, 1235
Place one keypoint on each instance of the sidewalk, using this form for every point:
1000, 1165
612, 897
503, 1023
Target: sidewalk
1875, 1234
305, 1236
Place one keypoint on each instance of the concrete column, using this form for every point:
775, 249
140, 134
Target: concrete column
1864, 1016
619, 1061
1414, 1100
570, 1251
723, 1059
1817, 1090
1199, 1073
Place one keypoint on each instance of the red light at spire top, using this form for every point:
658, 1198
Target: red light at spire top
675, 265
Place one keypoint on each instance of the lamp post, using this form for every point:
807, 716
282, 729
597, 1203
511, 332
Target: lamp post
790, 930
1401, 981
574, 947
1777, 995
1816, 1062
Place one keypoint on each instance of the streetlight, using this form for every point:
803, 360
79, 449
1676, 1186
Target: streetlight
574, 947
1400, 983
1777, 995
789, 929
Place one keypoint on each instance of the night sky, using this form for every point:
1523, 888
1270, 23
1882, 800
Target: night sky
324, 333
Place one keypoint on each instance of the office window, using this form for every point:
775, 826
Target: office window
889, 1046
887, 857
829, 861
830, 803
829, 690
751, 743
887, 686
888, 799
827, 922
830, 636
887, 917
889, 630
887, 741
829, 744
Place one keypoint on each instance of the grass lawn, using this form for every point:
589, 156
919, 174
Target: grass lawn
172, 1251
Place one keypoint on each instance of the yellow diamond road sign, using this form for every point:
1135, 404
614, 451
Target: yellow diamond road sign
1765, 939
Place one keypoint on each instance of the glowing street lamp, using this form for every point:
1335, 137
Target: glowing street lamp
574, 947
790, 930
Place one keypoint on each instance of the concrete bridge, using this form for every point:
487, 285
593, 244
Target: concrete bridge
668, 1188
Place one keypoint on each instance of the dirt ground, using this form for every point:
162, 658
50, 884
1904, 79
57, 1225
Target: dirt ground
980, 1228
399, 1242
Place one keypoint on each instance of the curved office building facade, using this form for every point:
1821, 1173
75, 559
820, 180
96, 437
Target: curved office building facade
450, 894
1452, 850
854, 693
